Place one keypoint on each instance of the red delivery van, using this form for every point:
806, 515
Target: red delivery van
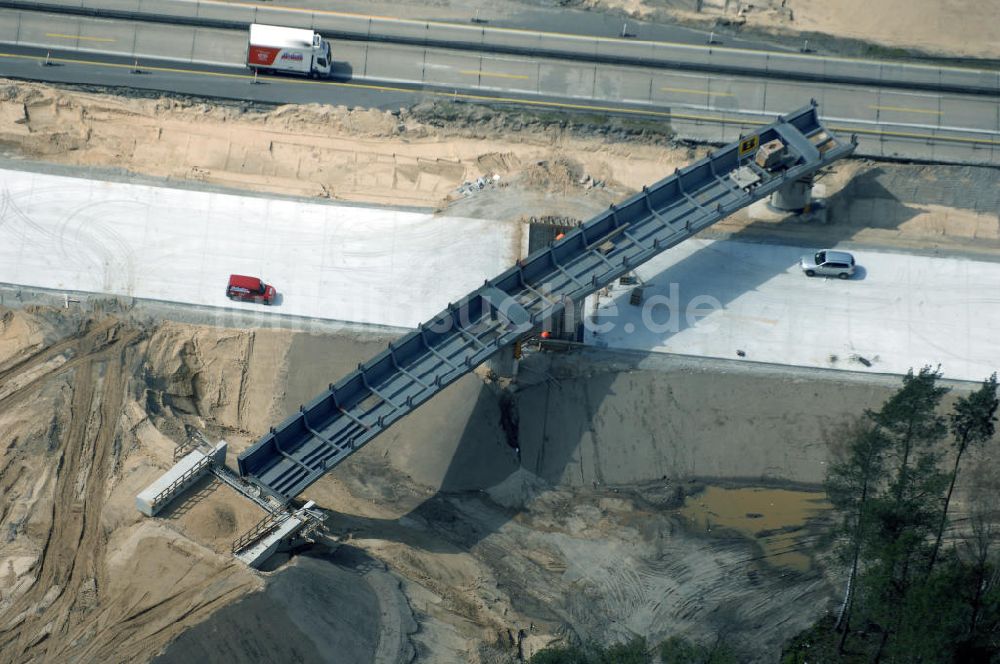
249, 289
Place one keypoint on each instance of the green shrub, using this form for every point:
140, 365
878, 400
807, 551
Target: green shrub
678, 650
635, 651
560, 655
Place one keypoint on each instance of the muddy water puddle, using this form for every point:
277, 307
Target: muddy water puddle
774, 518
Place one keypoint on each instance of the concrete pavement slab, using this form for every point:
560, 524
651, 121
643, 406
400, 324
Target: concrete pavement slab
336, 262
397, 268
724, 298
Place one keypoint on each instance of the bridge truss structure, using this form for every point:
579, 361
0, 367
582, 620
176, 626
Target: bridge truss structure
514, 304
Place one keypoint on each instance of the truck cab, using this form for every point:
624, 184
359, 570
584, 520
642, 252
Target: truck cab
322, 62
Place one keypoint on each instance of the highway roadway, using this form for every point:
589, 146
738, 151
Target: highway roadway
890, 122
718, 298
395, 268
334, 262
560, 44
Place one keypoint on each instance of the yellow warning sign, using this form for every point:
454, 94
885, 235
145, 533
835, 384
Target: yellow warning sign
749, 144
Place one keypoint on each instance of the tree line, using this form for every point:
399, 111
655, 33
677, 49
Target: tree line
923, 585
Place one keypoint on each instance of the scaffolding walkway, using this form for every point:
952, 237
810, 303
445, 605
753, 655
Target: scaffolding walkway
348, 414
251, 491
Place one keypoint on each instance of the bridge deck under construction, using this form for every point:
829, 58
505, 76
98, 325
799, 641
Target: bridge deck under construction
413, 369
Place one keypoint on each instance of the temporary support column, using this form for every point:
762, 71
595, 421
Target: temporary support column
573, 320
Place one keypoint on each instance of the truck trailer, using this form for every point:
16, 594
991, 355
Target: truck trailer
293, 50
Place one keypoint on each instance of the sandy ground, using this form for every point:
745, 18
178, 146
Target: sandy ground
360, 155
431, 565
453, 547
964, 28
91, 410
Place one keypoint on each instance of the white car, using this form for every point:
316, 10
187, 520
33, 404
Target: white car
828, 263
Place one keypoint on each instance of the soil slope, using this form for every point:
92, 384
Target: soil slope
91, 409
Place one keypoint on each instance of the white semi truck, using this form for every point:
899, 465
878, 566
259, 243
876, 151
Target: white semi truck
294, 50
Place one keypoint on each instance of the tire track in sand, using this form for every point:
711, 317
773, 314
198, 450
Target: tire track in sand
72, 557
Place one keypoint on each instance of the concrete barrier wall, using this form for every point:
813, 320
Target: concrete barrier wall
180, 43
711, 58
800, 66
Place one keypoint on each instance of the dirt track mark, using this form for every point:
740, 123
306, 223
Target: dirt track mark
159, 622
241, 404
68, 345
72, 559
397, 623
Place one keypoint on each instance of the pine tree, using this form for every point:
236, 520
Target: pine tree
850, 485
929, 603
904, 515
972, 422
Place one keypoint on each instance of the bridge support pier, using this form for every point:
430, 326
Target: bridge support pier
796, 196
504, 362
185, 472
567, 325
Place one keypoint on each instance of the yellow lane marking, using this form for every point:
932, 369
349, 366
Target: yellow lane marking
907, 134
902, 109
81, 37
475, 72
699, 92
510, 100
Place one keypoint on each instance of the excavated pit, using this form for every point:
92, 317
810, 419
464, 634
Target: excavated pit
484, 526
459, 545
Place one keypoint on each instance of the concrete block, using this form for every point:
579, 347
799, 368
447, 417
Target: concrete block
258, 553
184, 473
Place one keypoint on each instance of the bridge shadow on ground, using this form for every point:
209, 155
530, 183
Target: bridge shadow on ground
738, 263
204, 487
456, 443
